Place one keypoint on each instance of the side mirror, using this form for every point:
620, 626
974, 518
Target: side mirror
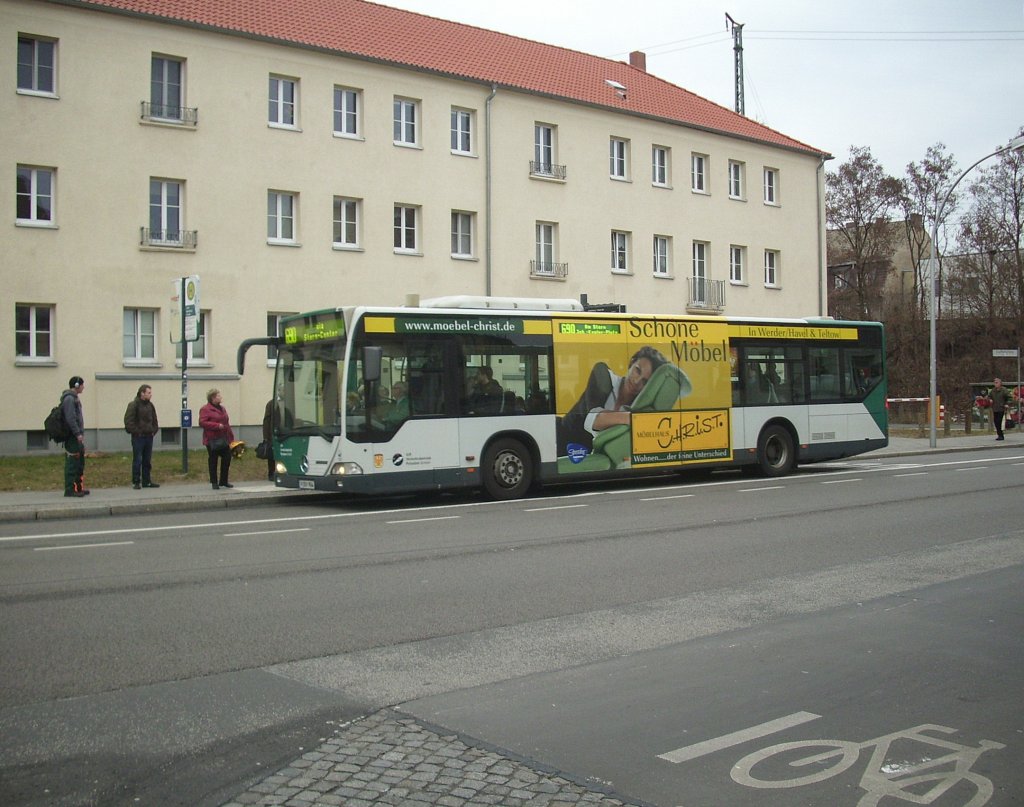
372, 359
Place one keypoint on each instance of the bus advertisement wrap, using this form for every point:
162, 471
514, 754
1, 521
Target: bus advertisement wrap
641, 392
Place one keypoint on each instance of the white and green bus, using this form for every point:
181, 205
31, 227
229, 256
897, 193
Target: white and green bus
505, 394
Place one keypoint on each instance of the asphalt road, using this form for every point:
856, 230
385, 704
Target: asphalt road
594, 629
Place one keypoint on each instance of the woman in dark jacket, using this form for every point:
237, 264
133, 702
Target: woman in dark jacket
217, 437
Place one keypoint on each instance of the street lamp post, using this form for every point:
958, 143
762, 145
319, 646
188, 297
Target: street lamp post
1017, 144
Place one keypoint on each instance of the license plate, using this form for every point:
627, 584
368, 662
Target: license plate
306, 484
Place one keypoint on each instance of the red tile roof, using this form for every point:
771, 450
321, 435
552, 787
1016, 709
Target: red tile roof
356, 27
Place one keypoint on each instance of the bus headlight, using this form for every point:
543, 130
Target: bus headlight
280, 468
346, 469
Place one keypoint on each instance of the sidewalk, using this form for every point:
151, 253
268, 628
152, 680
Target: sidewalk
41, 505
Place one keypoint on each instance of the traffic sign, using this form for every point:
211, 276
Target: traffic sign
185, 297
1012, 353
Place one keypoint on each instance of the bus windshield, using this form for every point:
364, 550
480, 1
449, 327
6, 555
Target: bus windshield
308, 389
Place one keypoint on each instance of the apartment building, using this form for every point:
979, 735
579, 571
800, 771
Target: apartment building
320, 153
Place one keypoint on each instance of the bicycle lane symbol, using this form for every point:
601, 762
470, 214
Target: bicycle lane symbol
909, 773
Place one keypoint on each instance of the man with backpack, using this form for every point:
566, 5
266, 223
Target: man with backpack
74, 445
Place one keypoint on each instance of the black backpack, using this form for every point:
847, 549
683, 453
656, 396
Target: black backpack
55, 426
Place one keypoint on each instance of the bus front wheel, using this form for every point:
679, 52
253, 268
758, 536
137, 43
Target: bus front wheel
507, 469
776, 454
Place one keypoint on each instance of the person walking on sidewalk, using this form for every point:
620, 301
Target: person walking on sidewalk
999, 396
217, 437
74, 446
268, 438
140, 422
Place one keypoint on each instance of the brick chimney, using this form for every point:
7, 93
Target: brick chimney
638, 59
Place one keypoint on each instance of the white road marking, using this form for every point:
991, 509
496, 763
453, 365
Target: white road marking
918, 473
660, 498
756, 490
688, 752
81, 546
556, 507
265, 532
840, 481
418, 520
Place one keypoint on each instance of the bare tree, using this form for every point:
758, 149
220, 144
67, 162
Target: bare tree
994, 224
860, 200
923, 188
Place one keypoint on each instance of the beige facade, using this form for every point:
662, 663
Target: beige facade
87, 287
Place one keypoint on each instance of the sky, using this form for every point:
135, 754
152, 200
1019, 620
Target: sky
896, 77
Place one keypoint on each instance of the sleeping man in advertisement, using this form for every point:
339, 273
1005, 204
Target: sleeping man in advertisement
604, 410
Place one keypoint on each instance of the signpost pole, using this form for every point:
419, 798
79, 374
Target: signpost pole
186, 298
184, 383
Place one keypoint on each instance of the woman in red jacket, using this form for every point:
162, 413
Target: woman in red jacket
217, 437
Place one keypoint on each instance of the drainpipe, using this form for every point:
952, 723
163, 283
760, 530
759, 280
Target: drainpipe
822, 270
487, 193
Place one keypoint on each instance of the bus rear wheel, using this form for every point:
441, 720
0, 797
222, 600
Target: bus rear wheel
507, 469
776, 454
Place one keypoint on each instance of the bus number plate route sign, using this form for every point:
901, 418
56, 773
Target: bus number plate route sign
590, 328
1012, 353
185, 309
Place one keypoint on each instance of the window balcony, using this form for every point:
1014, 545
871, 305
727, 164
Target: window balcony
549, 270
163, 113
547, 170
705, 295
168, 239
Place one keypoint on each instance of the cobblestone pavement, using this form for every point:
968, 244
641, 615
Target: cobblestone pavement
391, 759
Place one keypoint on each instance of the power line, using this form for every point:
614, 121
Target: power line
836, 36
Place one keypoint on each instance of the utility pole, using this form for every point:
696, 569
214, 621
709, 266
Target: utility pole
737, 49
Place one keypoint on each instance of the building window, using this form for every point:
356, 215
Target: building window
462, 131
659, 166
735, 180
198, 350
545, 254
165, 88
139, 335
700, 272
618, 157
165, 211
771, 186
284, 100
281, 216
620, 251
698, 173
33, 331
346, 112
771, 268
346, 222
662, 267
274, 329
462, 234
35, 193
405, 132
406, 236
544, 143
737, 259
37, 65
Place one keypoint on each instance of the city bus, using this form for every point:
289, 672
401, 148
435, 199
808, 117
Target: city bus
505, 394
